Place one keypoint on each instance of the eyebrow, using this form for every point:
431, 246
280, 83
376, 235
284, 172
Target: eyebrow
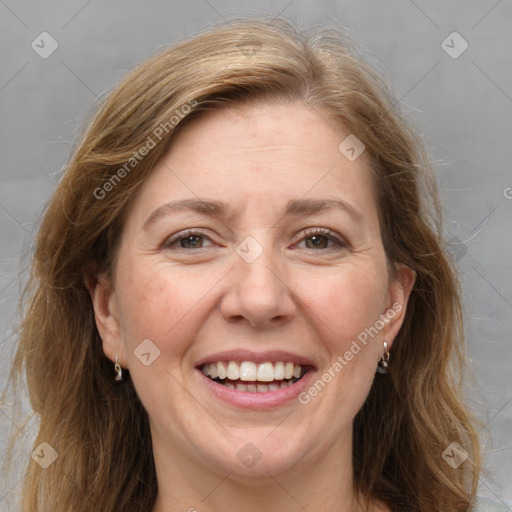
212, 208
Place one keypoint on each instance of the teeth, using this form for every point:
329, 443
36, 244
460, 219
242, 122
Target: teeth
233, 371
288, 370
265, 372
279, 371
256, 388
248, 371
221, 369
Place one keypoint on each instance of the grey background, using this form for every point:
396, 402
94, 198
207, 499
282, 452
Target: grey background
462, 105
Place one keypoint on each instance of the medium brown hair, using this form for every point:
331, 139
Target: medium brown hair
99, 427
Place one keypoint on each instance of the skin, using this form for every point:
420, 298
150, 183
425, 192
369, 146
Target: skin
308, 299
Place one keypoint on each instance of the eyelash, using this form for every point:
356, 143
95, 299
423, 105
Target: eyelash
330, 235
307, 233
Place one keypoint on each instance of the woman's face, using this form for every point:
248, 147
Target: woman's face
253, 250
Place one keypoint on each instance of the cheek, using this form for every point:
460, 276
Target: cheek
152, 304
164, 304
344, 303
157, 304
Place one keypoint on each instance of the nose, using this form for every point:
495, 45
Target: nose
258, 293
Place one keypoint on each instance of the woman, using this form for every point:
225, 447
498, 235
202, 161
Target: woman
239, 298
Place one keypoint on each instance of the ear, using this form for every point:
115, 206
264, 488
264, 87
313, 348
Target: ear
400, 288
106, 316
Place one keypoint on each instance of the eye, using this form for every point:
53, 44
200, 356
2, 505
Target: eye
318, 239
188, 240
322, 239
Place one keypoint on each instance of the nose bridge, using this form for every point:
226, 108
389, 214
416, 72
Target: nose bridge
260, 271
258, 290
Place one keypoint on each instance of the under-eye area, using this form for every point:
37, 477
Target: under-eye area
254, 377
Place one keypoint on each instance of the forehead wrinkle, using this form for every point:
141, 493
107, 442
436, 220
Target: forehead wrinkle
215, 208
211, 208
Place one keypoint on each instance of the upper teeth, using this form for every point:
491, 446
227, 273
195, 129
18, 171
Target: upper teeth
249, 371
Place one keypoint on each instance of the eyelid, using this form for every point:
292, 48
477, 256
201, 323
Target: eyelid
333, 236
301, 236
183, 234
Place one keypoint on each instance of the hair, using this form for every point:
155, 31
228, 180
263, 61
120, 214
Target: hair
98, 426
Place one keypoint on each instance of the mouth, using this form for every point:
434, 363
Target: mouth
252, 377
252, 380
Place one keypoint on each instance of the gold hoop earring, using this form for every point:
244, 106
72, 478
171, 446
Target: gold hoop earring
383, 363
119, 370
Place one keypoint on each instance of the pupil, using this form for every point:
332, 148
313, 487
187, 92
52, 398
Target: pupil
192, 240
318, 240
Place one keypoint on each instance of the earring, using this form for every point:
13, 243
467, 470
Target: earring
119, 370
383, 363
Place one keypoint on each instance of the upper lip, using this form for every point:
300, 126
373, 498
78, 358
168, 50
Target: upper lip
256, 357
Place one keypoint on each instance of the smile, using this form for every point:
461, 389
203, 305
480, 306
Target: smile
246, 379
252, 377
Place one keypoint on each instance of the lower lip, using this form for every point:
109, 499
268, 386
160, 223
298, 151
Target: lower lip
255, 400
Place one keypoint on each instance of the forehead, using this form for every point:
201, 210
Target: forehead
264, 153
263, 128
